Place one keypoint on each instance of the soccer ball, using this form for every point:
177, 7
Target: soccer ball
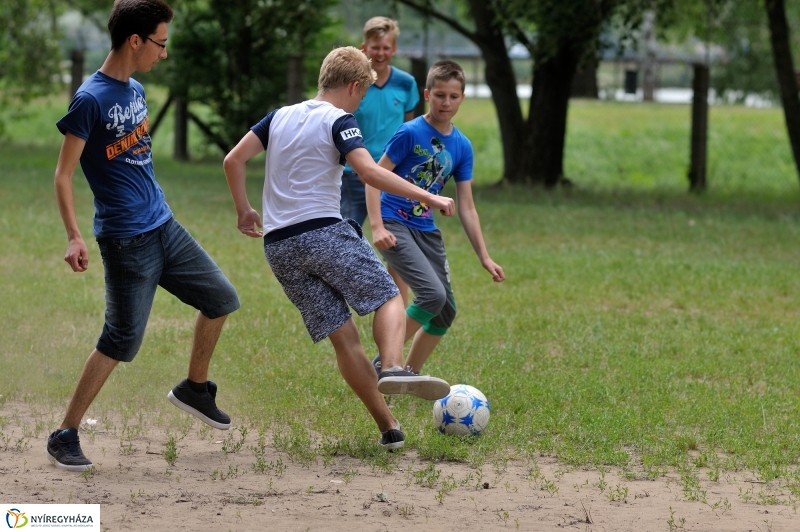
464, 411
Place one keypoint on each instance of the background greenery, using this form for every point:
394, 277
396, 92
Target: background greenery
639, 326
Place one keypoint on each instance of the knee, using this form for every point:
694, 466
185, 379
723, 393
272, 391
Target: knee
441, 323
437, 300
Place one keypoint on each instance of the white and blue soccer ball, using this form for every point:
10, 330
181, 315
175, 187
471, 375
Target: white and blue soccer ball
464, 411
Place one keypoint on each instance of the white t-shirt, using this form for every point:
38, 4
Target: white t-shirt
306, 144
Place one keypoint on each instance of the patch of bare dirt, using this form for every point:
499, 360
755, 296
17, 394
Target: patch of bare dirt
209, 489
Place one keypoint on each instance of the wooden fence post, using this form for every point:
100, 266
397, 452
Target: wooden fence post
699, 145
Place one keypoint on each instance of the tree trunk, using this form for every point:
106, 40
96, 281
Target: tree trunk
181, 146
295, 79
533, 150
76, 71
584, 84
784, 68
501, 80
699, 143
649, 62
160, 115
541, 159
419, 69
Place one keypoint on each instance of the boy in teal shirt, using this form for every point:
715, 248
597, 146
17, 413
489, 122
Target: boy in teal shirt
388, 103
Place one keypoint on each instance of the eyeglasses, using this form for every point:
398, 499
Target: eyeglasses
162, 46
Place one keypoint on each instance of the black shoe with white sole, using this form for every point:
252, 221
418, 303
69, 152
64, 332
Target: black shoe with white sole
200, 404
64, 451
393, 439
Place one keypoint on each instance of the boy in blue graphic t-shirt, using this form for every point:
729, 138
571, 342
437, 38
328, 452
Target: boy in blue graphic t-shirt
428, 151
141, 244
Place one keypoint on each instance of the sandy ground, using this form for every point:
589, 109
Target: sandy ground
209, 489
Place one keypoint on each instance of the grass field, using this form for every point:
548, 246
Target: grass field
639, 326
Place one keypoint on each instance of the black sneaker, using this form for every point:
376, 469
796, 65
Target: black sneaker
403, 381
393, 439
64, 450
376, 363
201, 405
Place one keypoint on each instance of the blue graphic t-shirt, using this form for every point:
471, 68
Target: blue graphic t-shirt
111, 116
427, 158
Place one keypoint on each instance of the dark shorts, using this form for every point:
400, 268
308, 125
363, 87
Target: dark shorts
420, 260
324, 270
353, 203
169, 257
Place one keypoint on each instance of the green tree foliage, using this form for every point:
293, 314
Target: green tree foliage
747, 64
28, 50
738, 32
233, 55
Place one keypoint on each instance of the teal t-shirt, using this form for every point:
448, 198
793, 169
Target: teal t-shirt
383, 110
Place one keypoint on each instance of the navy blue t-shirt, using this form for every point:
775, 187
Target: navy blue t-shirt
111, 116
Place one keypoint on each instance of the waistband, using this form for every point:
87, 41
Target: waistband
298, 229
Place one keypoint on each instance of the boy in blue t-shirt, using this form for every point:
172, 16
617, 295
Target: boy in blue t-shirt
141, 244
428, 151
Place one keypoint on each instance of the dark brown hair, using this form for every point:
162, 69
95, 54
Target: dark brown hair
136, 17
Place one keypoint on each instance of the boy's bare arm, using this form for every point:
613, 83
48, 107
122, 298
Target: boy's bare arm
472, 227
77, 255
370, 173
381, 237
248, 220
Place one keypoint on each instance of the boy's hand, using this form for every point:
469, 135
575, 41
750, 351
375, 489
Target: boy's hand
247, 223
498, 275
445, 205
383, 238
77, 256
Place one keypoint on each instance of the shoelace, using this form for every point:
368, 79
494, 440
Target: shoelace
73, 447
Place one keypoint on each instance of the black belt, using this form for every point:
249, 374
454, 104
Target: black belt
298, 229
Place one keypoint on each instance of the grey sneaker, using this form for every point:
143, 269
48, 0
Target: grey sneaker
393, 439
376, 363
403, 381
64, 450
201, 405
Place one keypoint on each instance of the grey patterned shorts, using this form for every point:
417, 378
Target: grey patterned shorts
324, 270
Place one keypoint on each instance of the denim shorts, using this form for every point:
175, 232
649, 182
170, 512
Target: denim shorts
323, 270
353, 203
169, 257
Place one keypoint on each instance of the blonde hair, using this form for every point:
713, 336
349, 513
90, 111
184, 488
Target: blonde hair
344, 65
445, 70
378, 27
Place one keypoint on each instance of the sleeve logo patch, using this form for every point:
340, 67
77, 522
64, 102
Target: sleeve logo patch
350, 133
